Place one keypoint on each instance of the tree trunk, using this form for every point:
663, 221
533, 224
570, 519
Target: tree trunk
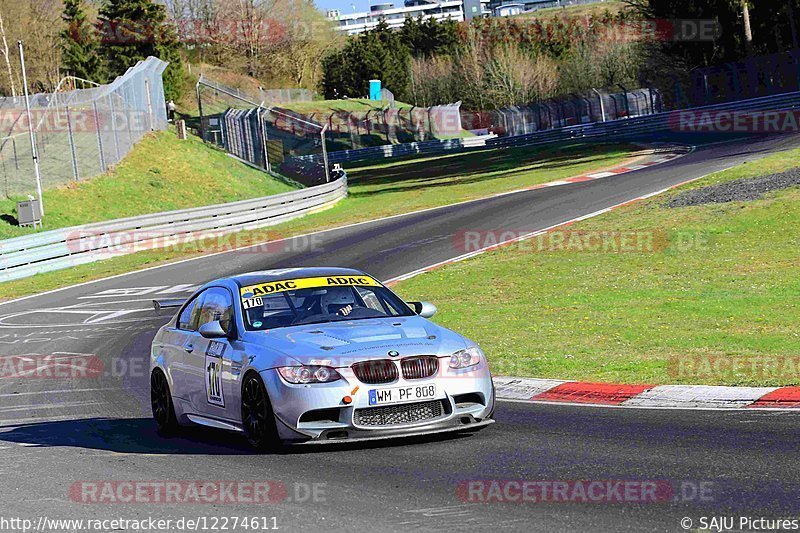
4, 51
748, 32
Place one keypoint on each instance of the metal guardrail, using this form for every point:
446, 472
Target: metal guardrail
63, 248
667, 122
389, 151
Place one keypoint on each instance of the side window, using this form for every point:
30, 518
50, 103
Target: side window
185, 320
370, 299
217, 304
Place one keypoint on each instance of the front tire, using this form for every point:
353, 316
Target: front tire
258, 419
161, 403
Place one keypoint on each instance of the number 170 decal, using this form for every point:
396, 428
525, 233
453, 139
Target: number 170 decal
214, 373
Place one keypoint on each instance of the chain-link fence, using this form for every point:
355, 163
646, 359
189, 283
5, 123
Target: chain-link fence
390, 123
277, 142
599, 106
81, 132
374, 123
286, 96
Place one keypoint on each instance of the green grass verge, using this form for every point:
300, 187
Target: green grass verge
351, 105
161, 173
376, 191
582, 10
721, 290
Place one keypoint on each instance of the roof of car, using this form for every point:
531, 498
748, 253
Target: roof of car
266, 276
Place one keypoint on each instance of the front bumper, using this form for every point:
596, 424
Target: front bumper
317, 413
453, 426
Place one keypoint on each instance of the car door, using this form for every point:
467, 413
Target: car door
212, 364
175, 340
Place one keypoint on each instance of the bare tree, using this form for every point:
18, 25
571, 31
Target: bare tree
4, 51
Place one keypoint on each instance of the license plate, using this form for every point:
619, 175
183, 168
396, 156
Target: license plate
402, 394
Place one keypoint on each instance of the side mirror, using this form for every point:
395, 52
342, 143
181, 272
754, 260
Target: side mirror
423, 309
212, 330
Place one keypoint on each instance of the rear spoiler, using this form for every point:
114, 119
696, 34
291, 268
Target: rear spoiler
173, 303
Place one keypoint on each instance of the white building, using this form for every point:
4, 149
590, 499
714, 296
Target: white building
353, 23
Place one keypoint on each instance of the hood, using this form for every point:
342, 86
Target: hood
340, 344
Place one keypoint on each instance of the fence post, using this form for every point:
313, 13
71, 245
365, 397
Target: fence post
99, 137
602, 107
16, 159
200, 109
34, 150
149, 104
325, 154
72, 145
265, 140
114, 125
625, 96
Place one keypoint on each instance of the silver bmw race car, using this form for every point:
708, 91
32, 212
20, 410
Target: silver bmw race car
314, 355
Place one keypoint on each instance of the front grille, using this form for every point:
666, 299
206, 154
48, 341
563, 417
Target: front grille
375, 372
390, 415
420, 367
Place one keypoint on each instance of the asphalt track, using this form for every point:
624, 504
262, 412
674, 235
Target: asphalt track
56, 432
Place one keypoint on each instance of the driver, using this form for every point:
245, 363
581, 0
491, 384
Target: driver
337, 301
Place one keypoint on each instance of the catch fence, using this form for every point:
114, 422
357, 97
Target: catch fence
79, 133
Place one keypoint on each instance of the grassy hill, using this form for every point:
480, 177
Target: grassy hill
576, 11
161, 173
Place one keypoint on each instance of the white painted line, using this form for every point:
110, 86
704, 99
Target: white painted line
59, 391
601, 175
526, 236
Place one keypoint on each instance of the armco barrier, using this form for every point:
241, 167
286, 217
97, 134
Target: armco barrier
63, 248
638, 127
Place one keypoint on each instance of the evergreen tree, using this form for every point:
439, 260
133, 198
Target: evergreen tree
429, 37
80, 44
135, 29
376, 54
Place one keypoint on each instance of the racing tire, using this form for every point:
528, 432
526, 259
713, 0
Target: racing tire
494, 401
258, 418
161, 403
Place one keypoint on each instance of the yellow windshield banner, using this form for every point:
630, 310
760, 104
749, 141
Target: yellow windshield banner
255, 291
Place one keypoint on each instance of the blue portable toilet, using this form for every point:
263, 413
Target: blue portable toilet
374, 89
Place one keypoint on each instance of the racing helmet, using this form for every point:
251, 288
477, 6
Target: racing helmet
335, 298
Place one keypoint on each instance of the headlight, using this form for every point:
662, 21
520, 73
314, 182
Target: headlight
466, 358
308, 374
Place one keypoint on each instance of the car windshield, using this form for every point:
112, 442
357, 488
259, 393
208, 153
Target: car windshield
277, 304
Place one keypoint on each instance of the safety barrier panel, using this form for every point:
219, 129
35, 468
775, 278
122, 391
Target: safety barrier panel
63, 248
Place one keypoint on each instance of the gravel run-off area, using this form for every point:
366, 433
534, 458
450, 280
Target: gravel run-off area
738, 190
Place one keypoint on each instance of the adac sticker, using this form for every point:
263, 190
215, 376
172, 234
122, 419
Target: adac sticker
254, 291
